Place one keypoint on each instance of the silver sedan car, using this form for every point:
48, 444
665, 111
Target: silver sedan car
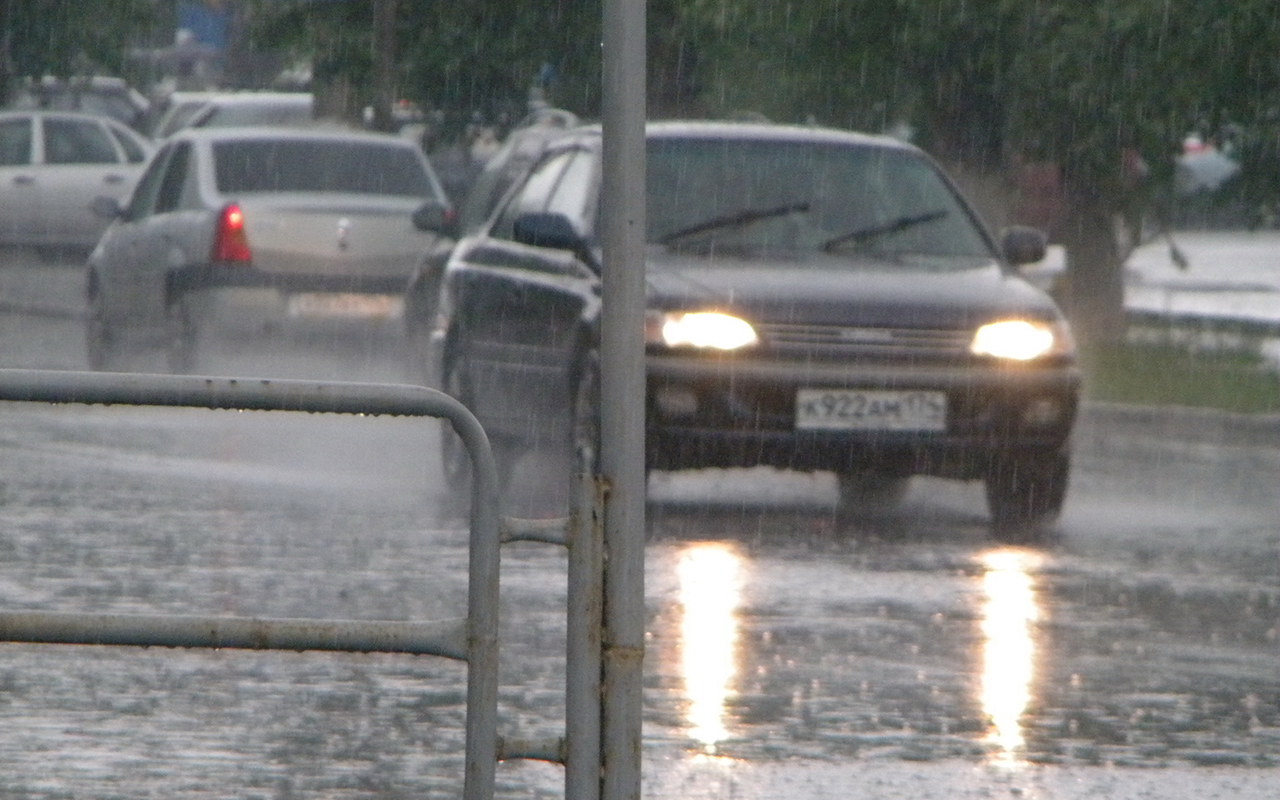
244, 230
53, 165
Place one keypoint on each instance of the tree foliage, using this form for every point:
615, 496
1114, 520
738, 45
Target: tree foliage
60, 38
985, 85
1089, 86
480, 57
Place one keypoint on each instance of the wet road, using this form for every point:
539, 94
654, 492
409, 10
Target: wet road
909, 658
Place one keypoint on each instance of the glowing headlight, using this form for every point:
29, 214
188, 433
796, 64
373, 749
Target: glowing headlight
1018, 340
703, 329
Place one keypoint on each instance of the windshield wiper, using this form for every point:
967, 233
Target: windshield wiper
736, 220
893, 226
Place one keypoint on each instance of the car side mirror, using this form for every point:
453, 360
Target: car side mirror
434, 216
106, 208
542, 229
1023, 245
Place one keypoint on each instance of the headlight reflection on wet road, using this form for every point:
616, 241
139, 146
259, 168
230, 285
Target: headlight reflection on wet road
710, 592
1009, 651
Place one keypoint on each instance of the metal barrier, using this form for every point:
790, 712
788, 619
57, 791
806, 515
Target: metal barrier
474, 640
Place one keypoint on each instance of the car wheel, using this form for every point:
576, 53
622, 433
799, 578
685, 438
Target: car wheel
870, 493
455, 460
421, 301
102, 342
182, 338
584, 428
1025, 493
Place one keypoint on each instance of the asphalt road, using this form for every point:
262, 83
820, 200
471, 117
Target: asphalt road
1135, 656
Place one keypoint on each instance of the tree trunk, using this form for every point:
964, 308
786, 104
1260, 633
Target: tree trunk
1094, 289
384, 64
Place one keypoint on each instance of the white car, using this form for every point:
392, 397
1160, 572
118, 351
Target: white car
235, 110
53, 165
241, 230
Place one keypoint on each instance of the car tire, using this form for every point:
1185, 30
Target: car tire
867, 494
182, 338
419, 315
584, 423
455, 461
1025, 493
102, 345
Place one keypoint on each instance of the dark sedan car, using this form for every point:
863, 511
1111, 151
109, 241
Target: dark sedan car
817, 300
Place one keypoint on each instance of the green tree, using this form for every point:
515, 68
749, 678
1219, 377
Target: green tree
990, 84
986, 85
481, 56
64, 38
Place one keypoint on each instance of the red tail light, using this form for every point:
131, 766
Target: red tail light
229, 241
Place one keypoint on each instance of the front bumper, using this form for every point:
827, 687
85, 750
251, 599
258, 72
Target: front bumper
733, 412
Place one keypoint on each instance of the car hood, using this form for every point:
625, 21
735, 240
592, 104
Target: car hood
821, 289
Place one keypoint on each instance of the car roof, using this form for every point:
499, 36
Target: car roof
10, 113
747, 131
320, 132
261, 98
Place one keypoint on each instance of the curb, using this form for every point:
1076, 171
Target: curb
1179, 423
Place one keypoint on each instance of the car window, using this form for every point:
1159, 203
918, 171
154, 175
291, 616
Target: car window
132, 150
15, 142
144, 194
804, 196
169, 195
255, 114
178, 117
574, 191
534, 194
75, 141
302, 165
485, 192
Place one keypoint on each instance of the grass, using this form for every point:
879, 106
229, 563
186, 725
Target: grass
1171, 374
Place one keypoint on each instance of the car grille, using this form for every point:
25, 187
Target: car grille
835, 341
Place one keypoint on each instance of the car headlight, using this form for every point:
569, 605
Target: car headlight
1021, 340
702, 329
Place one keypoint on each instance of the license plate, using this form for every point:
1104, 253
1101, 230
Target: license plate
320, 304
856, 409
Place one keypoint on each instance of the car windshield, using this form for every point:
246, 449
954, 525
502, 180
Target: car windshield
274, 165
803, 196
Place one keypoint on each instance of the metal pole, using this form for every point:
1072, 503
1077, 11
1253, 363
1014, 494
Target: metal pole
582, 665
622, 392
447, 639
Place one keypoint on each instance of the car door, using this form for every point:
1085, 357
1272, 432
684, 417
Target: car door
520, 308
81, 161
19, 190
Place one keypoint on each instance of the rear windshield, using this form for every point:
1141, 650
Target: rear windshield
256, 114
273, 165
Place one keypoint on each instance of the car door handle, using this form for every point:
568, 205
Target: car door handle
24, 180
113, 179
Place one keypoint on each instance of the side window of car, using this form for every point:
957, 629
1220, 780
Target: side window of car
133, 151
574, 193
76, 141
144, 194
15, 142
533, 195
169, 196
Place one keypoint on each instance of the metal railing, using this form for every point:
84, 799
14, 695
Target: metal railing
473, 640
